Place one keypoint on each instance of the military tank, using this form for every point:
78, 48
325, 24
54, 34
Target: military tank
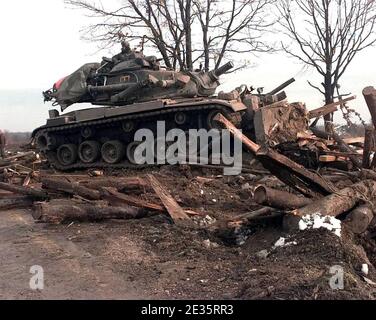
130, 92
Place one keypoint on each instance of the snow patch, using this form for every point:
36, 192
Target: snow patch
365, 269
281, 242
317, 221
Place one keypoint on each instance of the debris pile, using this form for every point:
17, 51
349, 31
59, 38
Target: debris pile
20, 167
308, 198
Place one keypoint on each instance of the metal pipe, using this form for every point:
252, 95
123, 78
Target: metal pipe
282, 86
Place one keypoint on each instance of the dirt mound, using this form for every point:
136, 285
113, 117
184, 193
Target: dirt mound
303, 267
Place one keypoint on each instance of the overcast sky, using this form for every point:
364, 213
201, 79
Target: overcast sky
41, 43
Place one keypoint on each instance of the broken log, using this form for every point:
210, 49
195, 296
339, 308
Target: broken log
121, 184
359, 219
72, 188
175, 211
341, 201
278, 198
116, 198
369, 146
369, 94
15, 202
62, 211
27, 191
294, 175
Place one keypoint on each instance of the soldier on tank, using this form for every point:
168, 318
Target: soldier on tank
123, 55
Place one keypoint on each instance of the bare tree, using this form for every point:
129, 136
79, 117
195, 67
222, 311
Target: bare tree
185, 32
327, 34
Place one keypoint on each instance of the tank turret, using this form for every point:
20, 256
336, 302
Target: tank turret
132, 77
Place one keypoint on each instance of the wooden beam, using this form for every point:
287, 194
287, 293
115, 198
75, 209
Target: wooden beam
330, 108
175, 211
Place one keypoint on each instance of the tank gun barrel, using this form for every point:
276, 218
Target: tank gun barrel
223, 69
282, 86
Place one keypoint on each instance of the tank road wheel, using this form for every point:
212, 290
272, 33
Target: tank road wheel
180, 118
67, 154
45, 142
89, 151
113, 151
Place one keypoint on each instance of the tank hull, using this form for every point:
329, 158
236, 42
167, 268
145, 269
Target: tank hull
103, 137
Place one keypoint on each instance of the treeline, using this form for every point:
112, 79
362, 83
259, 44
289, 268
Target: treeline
17, 137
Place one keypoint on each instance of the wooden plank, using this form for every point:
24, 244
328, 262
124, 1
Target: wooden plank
175, 211
327, 158
330, 108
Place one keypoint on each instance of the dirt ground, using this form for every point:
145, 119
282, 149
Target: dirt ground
152, 258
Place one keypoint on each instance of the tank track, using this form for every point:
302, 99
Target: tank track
101, 164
